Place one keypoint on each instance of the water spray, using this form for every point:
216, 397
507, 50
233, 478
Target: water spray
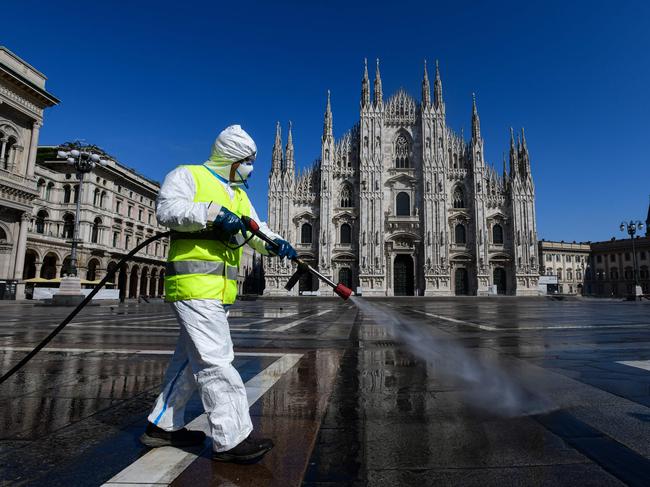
485, 384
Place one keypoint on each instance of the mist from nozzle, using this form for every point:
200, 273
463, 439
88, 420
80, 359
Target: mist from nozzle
484, 383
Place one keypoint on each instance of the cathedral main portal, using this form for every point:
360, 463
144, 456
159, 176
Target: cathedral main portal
403, 276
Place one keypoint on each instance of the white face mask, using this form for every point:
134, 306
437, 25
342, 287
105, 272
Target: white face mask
243, 172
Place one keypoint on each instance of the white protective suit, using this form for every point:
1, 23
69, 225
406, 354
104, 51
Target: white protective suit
204, 352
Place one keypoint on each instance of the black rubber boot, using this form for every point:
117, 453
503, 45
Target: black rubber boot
155, 436
251, 450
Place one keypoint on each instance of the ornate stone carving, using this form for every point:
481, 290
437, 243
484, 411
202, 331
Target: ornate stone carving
23, 102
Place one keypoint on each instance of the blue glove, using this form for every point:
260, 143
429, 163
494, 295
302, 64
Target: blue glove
283, 249
229, 223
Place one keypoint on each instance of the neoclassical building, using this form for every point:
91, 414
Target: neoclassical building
118, 207
23, 99
403, 205
117, 213
567, 261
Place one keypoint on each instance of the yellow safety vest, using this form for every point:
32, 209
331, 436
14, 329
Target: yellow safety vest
206, 268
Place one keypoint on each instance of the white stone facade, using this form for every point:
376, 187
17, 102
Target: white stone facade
23, 100
402, 205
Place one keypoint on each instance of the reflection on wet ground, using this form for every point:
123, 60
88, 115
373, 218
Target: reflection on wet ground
358, 408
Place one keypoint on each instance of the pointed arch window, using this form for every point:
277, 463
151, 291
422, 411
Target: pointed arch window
306, 233
346, 196
459, 197
41, 216
459, 234
346, 234
402, 152
497, 234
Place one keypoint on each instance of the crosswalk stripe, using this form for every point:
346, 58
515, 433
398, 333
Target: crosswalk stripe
163, 465
298, 322
639, 364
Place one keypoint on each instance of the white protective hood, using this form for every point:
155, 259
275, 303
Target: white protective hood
232, 145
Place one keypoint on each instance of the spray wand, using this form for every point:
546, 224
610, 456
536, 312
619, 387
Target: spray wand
303, 267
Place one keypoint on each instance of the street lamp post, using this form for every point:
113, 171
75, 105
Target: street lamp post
631, 227
83, 162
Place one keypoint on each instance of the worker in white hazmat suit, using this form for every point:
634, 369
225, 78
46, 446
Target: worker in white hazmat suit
202, 205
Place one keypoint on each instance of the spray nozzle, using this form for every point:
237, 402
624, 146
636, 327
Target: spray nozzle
343, 291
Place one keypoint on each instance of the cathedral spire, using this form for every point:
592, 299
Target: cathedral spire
365, 86
514, 162
524, 147
276, 159
290, 162
426, 89
327, 124
504, 167
647, 222
525, 157
476, 123
437, 88
379, 94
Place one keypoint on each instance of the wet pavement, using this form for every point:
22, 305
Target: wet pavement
389, 392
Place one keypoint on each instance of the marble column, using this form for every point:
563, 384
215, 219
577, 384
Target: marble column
33, 146
21, 245
127, 283
3, 149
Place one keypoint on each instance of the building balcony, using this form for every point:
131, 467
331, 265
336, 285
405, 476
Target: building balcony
401, 224
457, 174
305, 247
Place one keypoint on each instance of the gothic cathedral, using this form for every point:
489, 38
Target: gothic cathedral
402, 205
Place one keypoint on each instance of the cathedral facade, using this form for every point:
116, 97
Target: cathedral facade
403, 205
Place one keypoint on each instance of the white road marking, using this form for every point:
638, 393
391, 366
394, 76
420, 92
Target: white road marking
126, 351
529, 328
639, 364
246, 325
109, 320
265, 313
459, 322
163, 465
298, 322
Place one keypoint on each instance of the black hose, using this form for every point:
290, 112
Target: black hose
80, 306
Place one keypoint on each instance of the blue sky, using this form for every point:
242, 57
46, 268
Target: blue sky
155, 81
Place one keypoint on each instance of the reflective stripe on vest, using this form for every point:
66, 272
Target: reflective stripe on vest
204, 267
182, 267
